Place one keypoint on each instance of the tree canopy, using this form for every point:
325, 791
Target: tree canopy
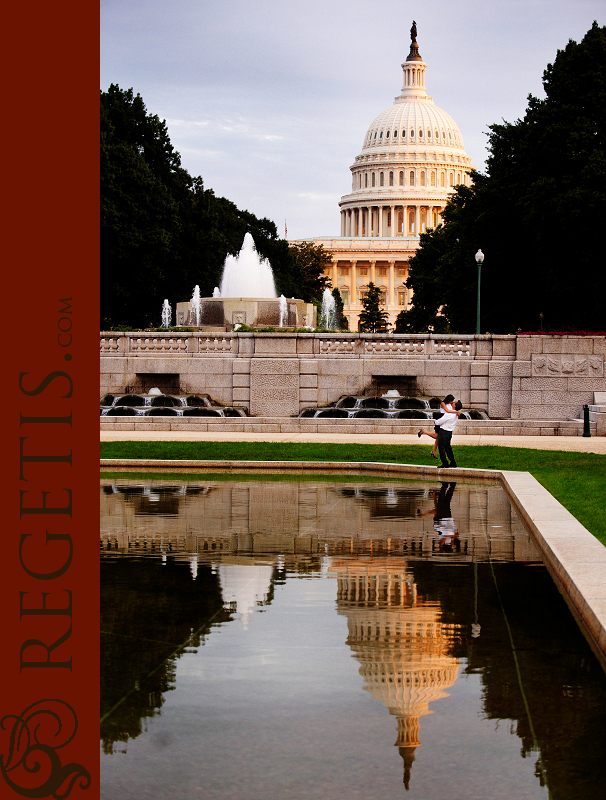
162, 232
373, 319
536, 214
309, 261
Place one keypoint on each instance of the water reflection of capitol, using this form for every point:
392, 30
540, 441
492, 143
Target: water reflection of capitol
253, 533
400, 641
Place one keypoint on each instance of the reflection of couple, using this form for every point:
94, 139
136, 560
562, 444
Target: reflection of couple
443, 521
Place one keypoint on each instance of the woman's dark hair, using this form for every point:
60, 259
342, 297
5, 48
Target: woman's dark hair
458, 405
449, 398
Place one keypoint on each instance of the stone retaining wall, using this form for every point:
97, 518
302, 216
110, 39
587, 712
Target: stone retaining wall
542, 378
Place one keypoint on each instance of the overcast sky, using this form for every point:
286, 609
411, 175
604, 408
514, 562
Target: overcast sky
269, 101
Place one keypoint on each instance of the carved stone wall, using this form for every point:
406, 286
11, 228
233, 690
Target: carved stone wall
274, 387
280, 374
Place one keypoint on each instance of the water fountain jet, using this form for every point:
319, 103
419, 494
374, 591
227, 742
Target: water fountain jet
167, 314
328, 314
247, 296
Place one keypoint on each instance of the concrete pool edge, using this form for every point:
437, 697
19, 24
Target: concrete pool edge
575, 559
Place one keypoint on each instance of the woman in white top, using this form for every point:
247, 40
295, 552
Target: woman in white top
447, 406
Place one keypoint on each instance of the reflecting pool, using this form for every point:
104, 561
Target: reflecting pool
275, 636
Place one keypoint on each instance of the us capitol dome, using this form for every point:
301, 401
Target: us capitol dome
412, 158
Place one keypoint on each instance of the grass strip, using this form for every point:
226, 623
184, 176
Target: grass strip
575, 479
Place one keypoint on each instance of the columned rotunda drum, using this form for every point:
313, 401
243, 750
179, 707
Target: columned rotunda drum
411, 159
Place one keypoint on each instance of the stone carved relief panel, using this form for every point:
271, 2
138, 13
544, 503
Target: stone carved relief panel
274, 387
573, 365
275, 366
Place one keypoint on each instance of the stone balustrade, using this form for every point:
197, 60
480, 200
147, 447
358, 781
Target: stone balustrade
355, 344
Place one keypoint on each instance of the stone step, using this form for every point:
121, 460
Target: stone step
294, 425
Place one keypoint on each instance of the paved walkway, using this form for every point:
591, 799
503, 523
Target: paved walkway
593, 444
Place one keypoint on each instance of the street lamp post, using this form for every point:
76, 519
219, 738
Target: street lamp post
479, 260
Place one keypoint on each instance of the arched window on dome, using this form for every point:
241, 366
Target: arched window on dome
373, 179
403, 134
389, 226
433, 178
437, 135
412, 134
458, 178
401, 179
391, 178
395, 133
387, 135
382, 179
451, 179
442, 179
411, 178
366, 180
400, 221
411, 223
423, 178
381, 135
428, 134
443, 136
420, 133
375, 136
360, 182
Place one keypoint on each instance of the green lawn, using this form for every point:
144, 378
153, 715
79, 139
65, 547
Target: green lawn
577, 480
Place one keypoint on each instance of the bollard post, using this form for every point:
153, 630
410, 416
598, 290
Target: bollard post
586, 431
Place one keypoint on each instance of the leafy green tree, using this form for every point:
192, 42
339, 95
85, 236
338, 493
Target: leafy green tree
535, 214
309, 261
139, 213
373, 319
162, 232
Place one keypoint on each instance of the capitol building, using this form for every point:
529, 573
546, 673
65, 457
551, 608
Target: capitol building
411, 159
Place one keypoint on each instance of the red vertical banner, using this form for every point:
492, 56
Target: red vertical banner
49, 702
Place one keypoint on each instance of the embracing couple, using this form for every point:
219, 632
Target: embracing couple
444, 427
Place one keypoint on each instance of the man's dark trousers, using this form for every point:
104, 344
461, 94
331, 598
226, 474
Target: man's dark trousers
446, 455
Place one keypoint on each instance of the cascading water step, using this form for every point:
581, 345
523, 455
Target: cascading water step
390, 405
156, 404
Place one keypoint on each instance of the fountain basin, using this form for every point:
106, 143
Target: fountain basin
388, 406
223, 313
154, 405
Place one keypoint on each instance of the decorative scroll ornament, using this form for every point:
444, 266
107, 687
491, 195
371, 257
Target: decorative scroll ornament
31, 767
